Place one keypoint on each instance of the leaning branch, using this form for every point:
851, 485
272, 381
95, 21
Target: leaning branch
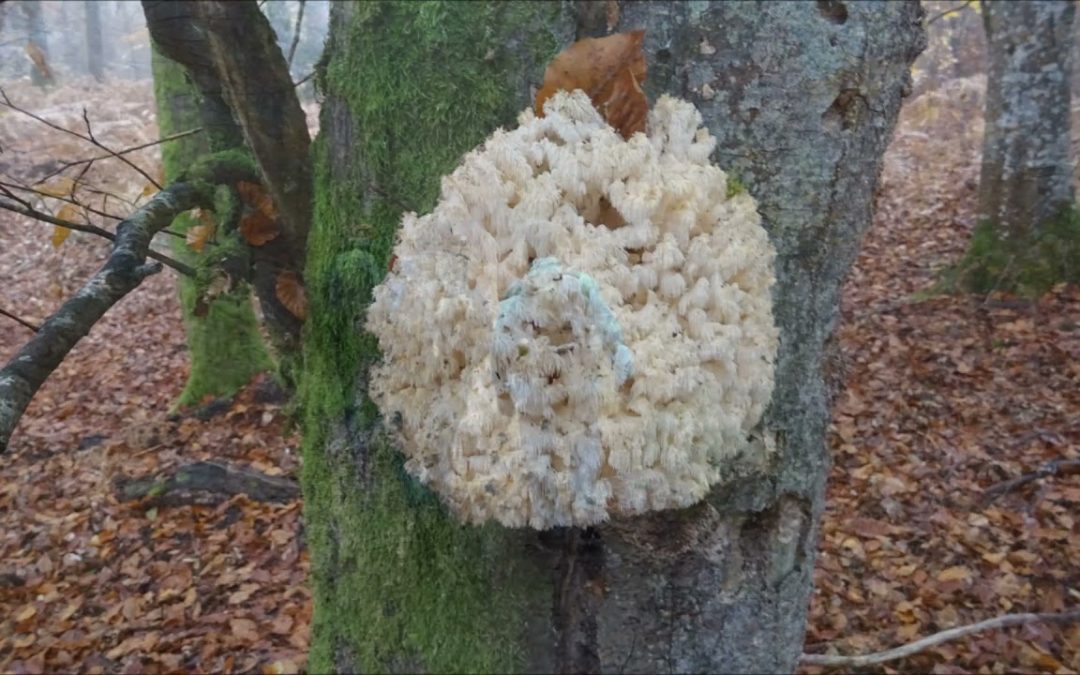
936, 639
296, 35
124, 270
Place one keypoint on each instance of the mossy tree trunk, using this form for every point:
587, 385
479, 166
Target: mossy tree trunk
802, 118
1028, 237
1026, 166
224, 343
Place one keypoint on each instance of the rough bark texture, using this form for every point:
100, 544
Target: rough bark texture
256, 83
197, 36
224, 343
802, 98
1026, 166
124, 270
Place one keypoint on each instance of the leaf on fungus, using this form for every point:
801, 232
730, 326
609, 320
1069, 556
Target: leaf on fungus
290, 292
610, 70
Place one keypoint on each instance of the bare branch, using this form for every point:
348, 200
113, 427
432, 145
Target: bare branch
938, 638
296, 35
69, 200
122, 272
4, 100
142, 146
24, 322
93, 229
304, 79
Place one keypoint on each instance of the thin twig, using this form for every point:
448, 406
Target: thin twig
69, 200
93, 229
24, 322
4, 100
142, 146
938, 638
948, 11
304, 79
296, 35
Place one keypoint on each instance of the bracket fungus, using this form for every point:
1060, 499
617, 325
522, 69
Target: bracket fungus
582, 327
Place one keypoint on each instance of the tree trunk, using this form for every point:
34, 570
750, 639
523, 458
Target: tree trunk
37, 47
1026, 166
224, 343
802, 118
95, 61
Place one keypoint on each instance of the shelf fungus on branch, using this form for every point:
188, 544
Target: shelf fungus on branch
582, 328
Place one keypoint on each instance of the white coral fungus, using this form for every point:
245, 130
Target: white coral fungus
582, 327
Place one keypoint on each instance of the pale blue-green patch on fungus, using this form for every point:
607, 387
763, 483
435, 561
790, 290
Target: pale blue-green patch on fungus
410, 87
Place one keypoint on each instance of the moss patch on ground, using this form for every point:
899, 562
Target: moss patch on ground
1028, 265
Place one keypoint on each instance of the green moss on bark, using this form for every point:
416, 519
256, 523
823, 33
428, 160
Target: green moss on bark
410, 87
225, 346
1029, 265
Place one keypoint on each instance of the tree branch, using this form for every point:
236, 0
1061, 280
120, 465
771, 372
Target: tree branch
4, 100
936, 639
24, 322
90, 160
180, 267
122, 272
295, 36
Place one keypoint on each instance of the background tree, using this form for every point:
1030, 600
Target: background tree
224, 343
95, 58
1027, 172
722, 586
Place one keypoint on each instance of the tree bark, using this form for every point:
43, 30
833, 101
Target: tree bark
1026, 166
224, 343
802, 119
196, 35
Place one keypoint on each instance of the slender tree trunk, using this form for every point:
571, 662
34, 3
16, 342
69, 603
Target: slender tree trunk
37, 45
223, 338
802, 119
95, 60
1027, 165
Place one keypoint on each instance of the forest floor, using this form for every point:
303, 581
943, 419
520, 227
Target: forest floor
946, 397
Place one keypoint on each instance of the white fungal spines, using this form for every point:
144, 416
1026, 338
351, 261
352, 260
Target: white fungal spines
582, 327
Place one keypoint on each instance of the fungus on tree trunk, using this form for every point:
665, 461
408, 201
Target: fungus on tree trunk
582, 328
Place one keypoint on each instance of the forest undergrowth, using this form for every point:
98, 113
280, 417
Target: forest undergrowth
946, 397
